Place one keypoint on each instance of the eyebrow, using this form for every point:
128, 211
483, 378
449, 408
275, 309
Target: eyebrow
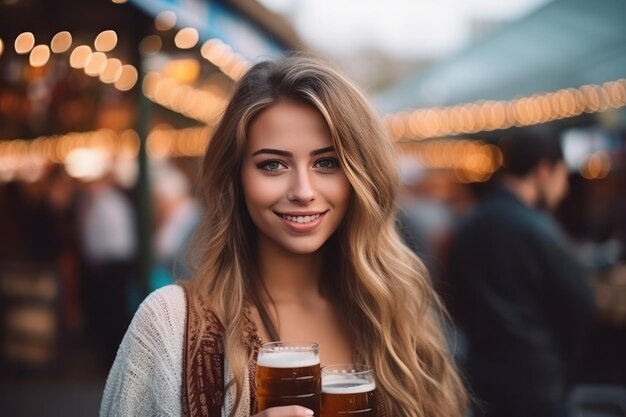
289, 154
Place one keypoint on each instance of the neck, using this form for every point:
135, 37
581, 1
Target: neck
288, 276
524, 188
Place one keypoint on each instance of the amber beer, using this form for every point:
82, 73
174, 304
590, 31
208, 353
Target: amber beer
288, 374
348, 391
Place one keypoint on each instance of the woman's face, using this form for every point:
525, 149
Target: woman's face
295, 190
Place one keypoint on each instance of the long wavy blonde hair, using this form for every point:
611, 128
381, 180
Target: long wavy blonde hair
382, 288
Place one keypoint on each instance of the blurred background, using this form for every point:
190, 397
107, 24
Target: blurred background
106, 107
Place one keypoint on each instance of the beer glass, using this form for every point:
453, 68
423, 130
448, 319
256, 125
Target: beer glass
348, 391
288, 374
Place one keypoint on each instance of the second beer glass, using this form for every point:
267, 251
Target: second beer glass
288, 374
348, 390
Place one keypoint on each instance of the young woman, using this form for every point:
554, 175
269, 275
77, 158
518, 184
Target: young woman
298, 243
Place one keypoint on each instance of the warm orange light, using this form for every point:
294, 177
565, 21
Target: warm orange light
61, 42
95, 64
521, 111
467, 123
545, 108
165, 20
617, 94
79, 56
498, 115
605, 100
149, 85
185, 71
163, 88
24, 42
446, 123
129, 143
1, 46
592, 101
186, 38
112, 71
159, 142
127, 79
106, 41
431, 123
395, 126
598, 166
213, 49
456, 119
178, 96
39, 56
150, 45
239, 69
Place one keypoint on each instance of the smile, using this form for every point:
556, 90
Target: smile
301, 219
302, 223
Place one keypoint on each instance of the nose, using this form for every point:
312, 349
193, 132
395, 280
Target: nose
301, 189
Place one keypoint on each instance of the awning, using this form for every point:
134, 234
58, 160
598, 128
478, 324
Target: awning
567, 43
246, 26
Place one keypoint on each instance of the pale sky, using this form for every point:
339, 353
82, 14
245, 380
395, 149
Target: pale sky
421, 29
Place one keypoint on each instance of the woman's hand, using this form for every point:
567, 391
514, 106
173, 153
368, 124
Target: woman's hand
288, 411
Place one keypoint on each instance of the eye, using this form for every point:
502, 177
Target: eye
327, 164
271, 166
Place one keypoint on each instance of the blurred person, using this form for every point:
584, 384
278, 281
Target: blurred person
108, 236
520, 296
177, 215
63, 197
298, 242
428, 216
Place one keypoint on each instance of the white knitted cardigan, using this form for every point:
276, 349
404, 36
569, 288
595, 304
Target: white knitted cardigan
146, 377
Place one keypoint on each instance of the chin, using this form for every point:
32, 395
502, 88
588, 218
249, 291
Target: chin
302, 248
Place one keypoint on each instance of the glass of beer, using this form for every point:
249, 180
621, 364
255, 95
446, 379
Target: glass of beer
348, 390
289, 374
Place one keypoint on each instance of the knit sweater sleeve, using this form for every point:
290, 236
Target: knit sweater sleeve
145, 379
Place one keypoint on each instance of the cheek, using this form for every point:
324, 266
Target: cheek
338, 191
258, 191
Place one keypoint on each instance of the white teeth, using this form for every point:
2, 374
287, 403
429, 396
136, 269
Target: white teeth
300, 219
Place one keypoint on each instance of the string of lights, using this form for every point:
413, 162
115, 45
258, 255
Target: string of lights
472, 160
484, 116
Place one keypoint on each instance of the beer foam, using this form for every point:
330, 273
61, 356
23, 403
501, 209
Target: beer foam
287, 359
349, 386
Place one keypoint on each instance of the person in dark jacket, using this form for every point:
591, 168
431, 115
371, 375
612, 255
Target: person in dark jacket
514, 289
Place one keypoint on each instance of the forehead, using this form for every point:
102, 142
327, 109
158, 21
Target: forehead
289, 126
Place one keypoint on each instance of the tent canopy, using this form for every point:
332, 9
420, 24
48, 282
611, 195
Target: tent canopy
566, 43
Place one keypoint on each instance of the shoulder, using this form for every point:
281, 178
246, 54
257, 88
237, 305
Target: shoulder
145, 379
167, 297
497, 215
164, 310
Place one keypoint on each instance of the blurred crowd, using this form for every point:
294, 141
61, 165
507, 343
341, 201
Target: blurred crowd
69, 254
69, 270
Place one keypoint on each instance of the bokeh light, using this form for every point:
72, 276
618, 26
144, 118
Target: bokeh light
79, 56
95, 63
127, 79
112, 71
165, 20
150, 45
39, 56
106, 41
61, 42
186, 38
24, 42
